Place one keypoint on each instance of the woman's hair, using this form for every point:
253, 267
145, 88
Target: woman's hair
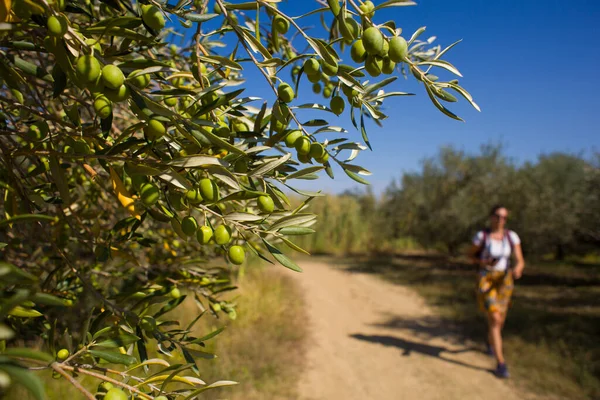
495, 209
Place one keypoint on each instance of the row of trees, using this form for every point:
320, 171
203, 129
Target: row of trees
554, 204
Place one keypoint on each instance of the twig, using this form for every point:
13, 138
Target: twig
122, 374
60, 369
198, 34
107, 379
74, 355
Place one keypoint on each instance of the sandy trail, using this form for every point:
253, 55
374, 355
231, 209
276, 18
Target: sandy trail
371, 339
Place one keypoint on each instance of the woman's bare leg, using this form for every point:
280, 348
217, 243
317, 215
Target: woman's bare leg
495, 323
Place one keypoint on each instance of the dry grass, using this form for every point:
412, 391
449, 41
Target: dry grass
263, 348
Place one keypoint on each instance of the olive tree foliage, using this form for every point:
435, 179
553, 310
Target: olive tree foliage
127, 163
444, 202
556, 203
553, 202
588, 230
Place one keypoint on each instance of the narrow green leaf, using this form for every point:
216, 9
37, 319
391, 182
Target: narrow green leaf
442, 64
122, 340
151, 361
209, 336
415, 35
31, 69
214, 385
259, 254
291, 220
317, 11
114, 357
124, 22
28, 218
243, 195
247, 6
281, 258
356, 169
60, 180
312, 106
329, 170
440, 106
22, 45
47, 299
197, 161
306, 193
460, 91
243, 217
219, 60
176, 369
322, 50
375, 86
102, 332
337, 129
296, 230
276, 193
395, 3
214, 139
169, 306
294, 246
10, 273
199, 17
351, 146
356, 177
175, 179
25, 378
154, 69
348, 80
116, 32
316, 122
375, 114
303, 172
363, 130
200, 354
21, 352
139, 169
141, 345
441, 53
263, 169
390, 94
224, 175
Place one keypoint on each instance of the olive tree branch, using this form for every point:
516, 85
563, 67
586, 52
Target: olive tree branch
61, 370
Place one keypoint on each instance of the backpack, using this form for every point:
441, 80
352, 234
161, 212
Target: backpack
486, 233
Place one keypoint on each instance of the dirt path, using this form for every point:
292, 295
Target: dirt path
374, 340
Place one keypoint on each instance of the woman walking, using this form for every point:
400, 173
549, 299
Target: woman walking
492, 251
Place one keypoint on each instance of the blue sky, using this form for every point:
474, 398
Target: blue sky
530, 64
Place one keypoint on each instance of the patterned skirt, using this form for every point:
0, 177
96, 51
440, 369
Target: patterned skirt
494, 290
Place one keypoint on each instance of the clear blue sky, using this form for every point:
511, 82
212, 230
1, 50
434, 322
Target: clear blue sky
530, 64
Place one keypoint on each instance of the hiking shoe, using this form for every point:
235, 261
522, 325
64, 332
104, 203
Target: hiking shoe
502, 371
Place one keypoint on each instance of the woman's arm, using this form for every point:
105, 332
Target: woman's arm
473, 256
518, 269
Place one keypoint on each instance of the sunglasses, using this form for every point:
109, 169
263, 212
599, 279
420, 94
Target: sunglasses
504, 217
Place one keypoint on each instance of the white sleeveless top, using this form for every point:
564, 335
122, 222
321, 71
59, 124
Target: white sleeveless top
495, 248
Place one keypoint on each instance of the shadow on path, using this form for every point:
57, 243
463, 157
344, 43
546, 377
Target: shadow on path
408, 347
428, 327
